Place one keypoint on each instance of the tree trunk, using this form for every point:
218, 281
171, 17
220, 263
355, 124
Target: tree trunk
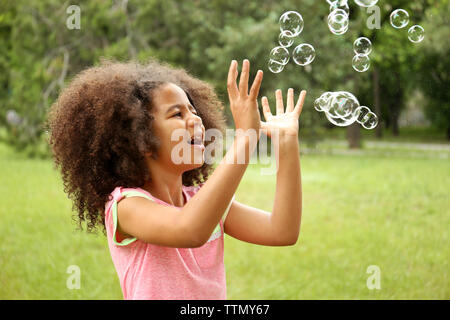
394, 122
376, 102
354, 136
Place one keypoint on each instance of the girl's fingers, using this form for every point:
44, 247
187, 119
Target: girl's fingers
266, 109
233, 91
279, 102
254, 90
243, 81
290, 100
298, 108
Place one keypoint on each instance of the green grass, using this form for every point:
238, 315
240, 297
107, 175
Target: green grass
362, 210
406, 134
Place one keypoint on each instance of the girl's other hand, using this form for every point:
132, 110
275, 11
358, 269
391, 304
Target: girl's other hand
244, 104
286, 122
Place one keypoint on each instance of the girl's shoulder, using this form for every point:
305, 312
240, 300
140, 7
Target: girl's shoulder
121, 192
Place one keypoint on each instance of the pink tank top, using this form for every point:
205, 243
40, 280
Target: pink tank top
148, 271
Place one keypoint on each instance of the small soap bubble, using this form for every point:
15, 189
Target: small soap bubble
338, 22
303, 54
362, 45
280, 55
285, 39
274, 66
416, 34
371, 121
291, 21
12, 117
361, 62
320, 104
399, 18
366, 3
361, 114
340, 4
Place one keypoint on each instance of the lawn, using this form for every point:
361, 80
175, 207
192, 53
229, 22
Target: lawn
388, 210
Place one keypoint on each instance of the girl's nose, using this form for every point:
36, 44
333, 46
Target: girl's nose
195, 124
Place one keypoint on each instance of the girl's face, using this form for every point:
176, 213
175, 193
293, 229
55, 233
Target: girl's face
179, 129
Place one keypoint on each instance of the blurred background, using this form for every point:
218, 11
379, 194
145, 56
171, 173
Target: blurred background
371, 197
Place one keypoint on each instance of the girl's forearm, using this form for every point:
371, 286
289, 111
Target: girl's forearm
287, 208
205, 209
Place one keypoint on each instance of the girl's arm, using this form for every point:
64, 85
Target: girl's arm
167, 226
282, 226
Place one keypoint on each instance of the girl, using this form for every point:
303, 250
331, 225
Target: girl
110, 133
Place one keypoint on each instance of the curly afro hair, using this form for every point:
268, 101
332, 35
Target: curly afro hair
101, 128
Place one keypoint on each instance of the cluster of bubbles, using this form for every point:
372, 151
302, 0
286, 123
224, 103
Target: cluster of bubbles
291, 25
342, 109
400, 18
362, 48
338, 19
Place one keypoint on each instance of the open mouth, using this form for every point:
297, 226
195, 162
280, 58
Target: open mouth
196, 141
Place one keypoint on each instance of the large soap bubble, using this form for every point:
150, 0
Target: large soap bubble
366, 3
291, 21
280, 55
285, 39
399, 18
362, 45
416, 34
338, 21
342, 104
274, 66
361, 63
341, 122
303, 54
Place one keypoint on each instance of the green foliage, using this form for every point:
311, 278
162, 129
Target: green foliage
39, 54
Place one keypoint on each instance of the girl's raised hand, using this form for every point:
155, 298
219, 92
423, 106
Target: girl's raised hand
286, 122
244, 104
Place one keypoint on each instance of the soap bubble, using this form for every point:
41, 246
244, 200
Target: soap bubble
320, 104
361, 114
285, 39
291, 21
340, 4
13, 118
303, 54
280, 55
416, 34
361, 63
338, 22
342, 104
371, 121
366, 3
399, 18
342, 109
275, 66
341, 122
362, 45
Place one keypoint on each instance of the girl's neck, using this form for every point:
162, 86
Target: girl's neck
167, 189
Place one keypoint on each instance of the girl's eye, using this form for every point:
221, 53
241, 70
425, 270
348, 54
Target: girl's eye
178, 114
